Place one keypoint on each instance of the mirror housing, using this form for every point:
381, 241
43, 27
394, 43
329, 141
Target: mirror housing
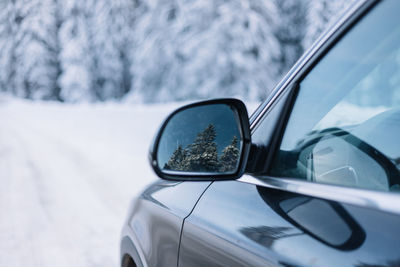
203, 141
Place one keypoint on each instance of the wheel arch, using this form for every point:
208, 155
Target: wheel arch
129, 254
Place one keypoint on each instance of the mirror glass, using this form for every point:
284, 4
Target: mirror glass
201, 139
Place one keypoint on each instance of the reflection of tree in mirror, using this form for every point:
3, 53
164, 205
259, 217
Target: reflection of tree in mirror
229, 156
202, 154
176, 160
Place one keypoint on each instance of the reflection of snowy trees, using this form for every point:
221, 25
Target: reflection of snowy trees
202, 155
266, 235
153, 51
229, 157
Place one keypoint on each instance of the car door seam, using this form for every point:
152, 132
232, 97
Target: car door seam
183, 222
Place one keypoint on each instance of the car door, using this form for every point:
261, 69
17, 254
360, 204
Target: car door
323, 174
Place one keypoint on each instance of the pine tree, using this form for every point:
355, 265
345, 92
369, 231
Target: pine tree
15, 60
321, 13
229, 157
176, 160
290, 30
118, 42
48, 37
202, 153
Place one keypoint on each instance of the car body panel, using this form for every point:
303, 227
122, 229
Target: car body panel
238, 224
156, 217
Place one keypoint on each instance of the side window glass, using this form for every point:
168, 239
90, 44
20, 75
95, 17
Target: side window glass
344, 127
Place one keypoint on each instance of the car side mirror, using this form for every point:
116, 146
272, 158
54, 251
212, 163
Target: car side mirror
204, 141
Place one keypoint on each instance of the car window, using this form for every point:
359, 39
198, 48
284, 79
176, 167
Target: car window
345, 122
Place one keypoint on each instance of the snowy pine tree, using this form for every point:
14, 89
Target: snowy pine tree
15, 26
76, 61
47, 36
202, 153
290, 30
176, 161
230, 156
321, 13
118, 45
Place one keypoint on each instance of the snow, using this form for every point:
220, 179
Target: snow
154, 50
68, 173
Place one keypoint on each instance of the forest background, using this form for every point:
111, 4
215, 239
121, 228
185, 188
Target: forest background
146, 51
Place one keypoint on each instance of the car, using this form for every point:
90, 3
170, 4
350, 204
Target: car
310, 179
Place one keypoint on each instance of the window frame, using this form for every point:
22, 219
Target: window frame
375, 200
290, 83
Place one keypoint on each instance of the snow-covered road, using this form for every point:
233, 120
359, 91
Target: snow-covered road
67, 174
